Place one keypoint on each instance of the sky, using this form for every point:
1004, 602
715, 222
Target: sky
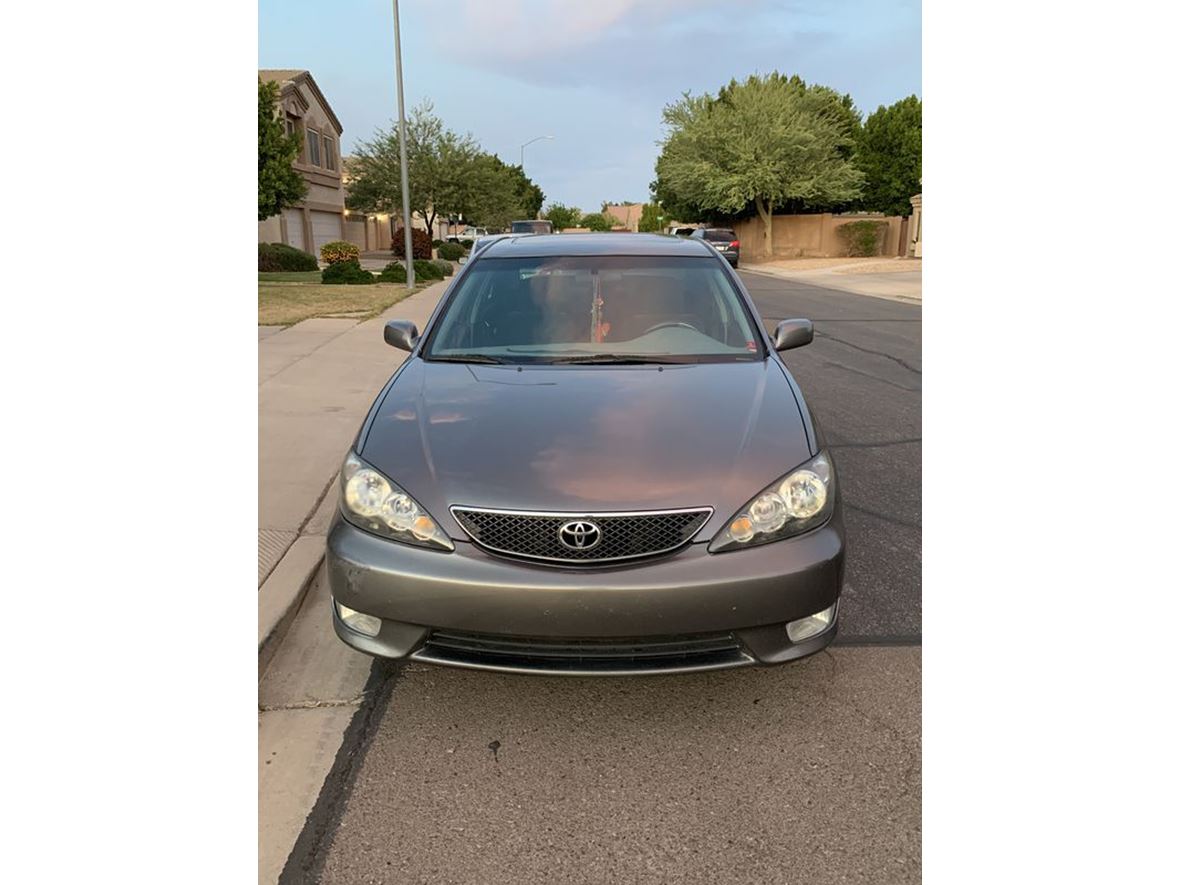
595, 74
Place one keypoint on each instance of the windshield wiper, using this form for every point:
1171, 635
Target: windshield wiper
465, 358
618, 359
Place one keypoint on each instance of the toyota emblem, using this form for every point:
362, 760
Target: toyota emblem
579, 535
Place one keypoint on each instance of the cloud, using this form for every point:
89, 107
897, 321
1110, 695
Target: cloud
496, 32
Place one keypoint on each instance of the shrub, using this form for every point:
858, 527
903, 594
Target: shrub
338, 251
421, 239
450, 251
467, 244
346, 272
394, 272
444, 267
436, 243
278, 256
426, 270
864, 238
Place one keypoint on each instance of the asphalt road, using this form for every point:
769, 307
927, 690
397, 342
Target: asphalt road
862, 377
805, 773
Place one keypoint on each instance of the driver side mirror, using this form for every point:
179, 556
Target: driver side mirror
793, 333
401, 334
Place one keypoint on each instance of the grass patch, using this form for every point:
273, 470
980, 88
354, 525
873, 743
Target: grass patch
287, 303
289, 276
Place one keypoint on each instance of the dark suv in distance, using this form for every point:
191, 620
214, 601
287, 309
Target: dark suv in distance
723, 239
538, 226
593, 461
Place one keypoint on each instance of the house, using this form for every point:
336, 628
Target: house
319, 218
625, 214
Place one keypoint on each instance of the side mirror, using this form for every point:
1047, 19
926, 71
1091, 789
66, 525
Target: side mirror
401, 334
793, 333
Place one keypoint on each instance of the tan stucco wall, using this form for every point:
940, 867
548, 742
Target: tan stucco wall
270, 231
332, 196
811, 236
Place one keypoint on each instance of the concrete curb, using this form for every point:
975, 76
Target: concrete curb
283, 591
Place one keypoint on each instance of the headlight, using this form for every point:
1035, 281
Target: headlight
797, 503
372, 502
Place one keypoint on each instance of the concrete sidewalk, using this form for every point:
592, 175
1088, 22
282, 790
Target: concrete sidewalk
896, 285
316, 380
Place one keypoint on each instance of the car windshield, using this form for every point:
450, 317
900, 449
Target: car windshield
595, 309
720, 235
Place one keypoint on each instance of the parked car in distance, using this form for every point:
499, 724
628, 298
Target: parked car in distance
592, 461
538, 226
723, 239
470, 233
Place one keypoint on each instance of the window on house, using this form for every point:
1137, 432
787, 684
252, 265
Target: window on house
313, 147
329, 153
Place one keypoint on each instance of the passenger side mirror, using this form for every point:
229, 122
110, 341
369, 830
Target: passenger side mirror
793, 333
401, 334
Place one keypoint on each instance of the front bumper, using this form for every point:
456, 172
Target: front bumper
687, 600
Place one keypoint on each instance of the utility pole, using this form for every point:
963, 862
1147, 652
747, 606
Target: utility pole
401, 144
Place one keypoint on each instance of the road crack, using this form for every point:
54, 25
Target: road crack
875, 445
880, 353
884, 517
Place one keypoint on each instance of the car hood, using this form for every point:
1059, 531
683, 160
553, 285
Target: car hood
584, 439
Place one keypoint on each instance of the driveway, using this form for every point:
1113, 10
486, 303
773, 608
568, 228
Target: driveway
809, 772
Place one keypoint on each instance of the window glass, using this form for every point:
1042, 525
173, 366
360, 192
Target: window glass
313, 147
527, 310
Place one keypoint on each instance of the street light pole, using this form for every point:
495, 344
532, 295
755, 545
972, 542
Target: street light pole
530, 141
401, 143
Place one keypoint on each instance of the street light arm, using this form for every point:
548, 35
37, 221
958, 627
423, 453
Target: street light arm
530, 141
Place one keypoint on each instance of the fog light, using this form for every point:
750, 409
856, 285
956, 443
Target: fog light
358, 621
812, 625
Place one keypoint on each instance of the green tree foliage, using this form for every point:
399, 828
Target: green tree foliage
772, 141
563, 216
279, 184
449, 175
489, 193
598, 221
650, 220
530, 197
889, 151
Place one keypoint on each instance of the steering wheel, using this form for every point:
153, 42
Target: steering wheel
671, 325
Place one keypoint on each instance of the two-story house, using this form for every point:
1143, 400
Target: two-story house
319, 219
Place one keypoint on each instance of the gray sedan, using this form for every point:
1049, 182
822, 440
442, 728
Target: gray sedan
593, 461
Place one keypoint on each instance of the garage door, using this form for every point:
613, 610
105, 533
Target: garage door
325, 228
294, 219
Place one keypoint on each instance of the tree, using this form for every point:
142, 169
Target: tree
650, 219
598, 221
437, 160
449, 175
769, 141
279, 184
563, 216
530, 197
889, 151
488, 192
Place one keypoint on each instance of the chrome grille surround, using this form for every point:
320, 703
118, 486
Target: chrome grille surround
626, 535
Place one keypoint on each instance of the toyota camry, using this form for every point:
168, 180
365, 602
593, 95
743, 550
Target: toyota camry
593, 460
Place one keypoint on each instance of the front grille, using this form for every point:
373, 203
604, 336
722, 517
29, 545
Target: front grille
622, 535
583, 656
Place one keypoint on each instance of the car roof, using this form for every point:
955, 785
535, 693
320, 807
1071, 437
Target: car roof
540, 245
